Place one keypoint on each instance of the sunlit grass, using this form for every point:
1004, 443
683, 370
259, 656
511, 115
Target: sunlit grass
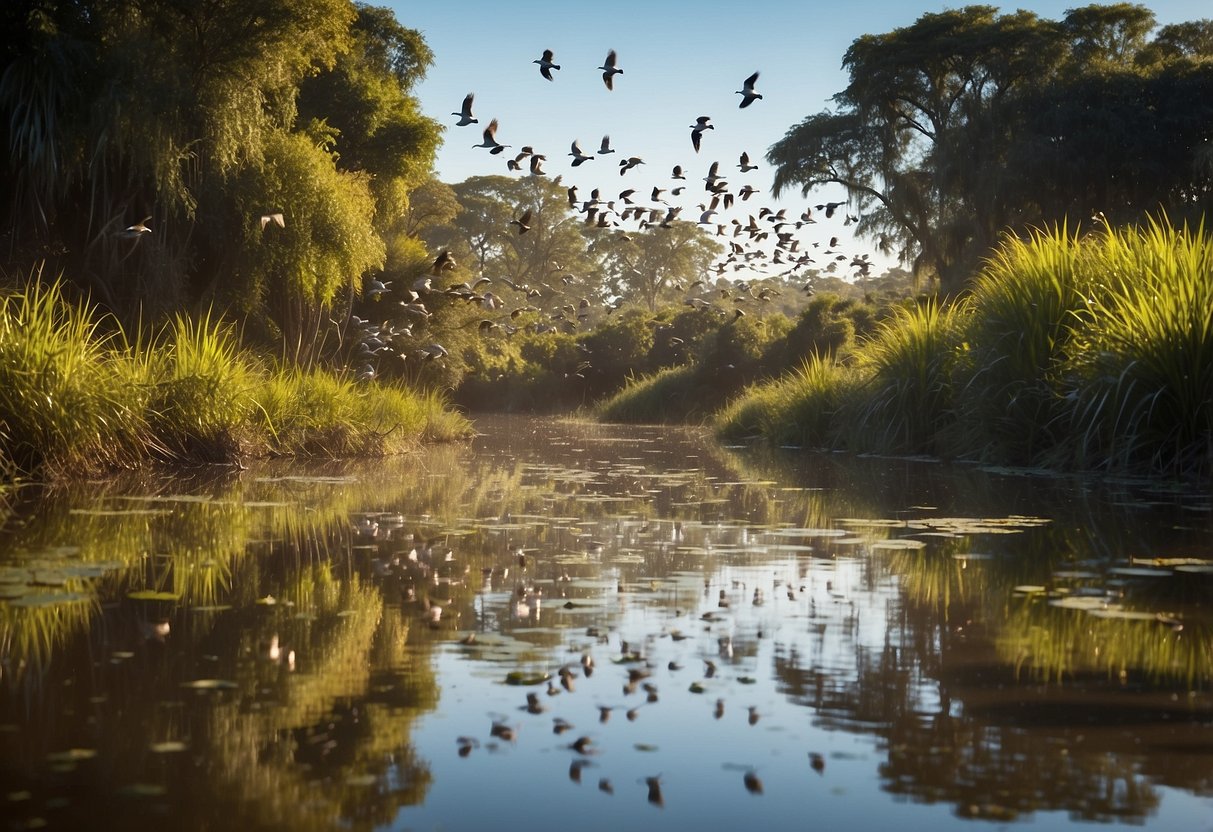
906, 402
65, 385
1142, 368
798, 409
660, 397
1016, 326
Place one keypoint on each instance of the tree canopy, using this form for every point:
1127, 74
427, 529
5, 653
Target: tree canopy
970, 123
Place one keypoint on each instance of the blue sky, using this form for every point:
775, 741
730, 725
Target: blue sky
681, 60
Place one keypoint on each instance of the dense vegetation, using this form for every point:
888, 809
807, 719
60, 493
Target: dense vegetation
248, 251
1071, 351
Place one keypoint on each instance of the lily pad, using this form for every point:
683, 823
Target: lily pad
210, 684
152, 595
523, 677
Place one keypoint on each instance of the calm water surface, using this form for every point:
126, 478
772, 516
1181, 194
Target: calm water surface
602, 627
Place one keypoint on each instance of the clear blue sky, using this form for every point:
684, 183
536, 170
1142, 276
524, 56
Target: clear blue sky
681, 60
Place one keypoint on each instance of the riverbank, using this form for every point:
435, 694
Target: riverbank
80, 397
1072, 353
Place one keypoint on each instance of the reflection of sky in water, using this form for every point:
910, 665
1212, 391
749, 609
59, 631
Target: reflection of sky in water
885, 661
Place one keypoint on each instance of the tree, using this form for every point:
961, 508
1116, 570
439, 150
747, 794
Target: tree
641, 267
968, 123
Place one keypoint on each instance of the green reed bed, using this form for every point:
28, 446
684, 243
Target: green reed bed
1089, 352
800, 408
77, 398
904, 402
1016, 327
664, 396
1141, 373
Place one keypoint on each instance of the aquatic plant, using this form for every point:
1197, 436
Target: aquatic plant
797, 409
1140, 378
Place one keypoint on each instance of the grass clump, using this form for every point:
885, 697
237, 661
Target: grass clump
904, 404
77, 398
66, 386
800, 408
665, 396
1140, 378
1015, 332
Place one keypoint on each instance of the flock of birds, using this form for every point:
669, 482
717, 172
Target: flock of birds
760, 243
743, 249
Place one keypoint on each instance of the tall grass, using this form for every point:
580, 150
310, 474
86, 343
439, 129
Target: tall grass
906, 399
1016, 328
798, 409
77, 398
1141, 373
65, 386
664, 396
201, 386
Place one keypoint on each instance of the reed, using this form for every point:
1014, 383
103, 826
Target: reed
1140, 377
662, 397
201, 386
66, 385
904, 403
1016, 328
799, 408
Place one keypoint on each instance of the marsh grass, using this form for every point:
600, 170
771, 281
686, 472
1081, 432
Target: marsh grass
65, 386
201, 385
800, 408
905, 402
77, 398
1016, 328
664, 396
1141, 376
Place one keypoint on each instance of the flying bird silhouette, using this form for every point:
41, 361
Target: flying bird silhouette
747, 92
609, 70
490, 139
545, 64
465, 113
697, 129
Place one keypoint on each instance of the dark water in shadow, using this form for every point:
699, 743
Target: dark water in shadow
786, 640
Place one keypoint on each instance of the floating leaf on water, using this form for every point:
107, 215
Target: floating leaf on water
1140, 572
871, 522
1080, 602
1074, 575
142, 790
267, 601
1196, 568
524, 677
72, 755
899, 543
123, 654
1029, 589
211, 608
10, 591
804, 532
49, 577
168, 747
1121, 613
973, 556
210, 684
152, 595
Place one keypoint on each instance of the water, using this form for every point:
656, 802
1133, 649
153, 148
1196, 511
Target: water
782, 639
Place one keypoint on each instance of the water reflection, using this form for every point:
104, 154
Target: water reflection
618, 625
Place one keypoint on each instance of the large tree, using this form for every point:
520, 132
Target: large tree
969, 123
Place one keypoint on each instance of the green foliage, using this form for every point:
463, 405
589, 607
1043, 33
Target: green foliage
200, 389
907, 401
1141, 371
669, 395
68, 400
969, 122
800, 408
1016, 328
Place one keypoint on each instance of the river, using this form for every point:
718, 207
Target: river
598, 627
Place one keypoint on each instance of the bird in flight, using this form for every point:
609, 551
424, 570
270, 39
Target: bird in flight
605, 147
627, 164
609, 70
745, 163
747, 92
490, 139
578, 156
697, 129
276, 219
465, 112
523, 222
545, 64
